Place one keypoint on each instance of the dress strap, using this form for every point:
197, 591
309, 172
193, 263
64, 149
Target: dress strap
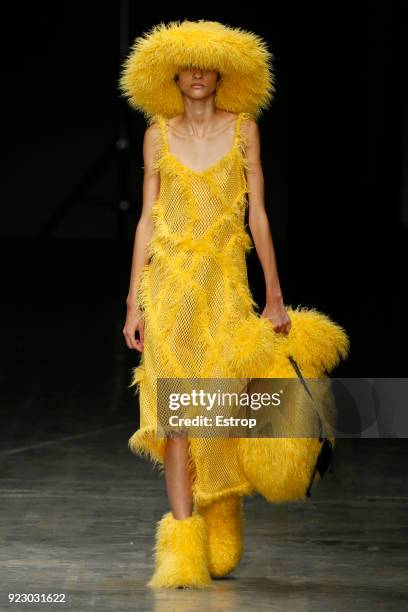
240, 140
161, 140
238, 124
163, 129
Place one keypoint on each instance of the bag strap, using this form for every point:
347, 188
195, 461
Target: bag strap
326, 451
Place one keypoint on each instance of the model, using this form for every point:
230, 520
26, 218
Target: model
201, 86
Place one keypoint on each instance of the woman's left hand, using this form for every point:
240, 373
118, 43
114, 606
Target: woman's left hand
277, 314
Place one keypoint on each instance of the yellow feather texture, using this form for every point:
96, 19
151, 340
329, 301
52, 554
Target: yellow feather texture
201, 321
225, 525
242, 58
181, 553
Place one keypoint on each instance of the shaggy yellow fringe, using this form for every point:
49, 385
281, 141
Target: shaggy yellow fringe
225, 525
181, 553
242, 58
197, 259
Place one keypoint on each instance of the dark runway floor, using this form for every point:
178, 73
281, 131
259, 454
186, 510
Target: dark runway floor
79, 510
78, 517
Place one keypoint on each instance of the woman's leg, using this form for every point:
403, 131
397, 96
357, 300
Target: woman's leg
178, 476
181, 549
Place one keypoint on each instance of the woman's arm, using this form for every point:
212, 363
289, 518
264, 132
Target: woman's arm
143, 234
259, 225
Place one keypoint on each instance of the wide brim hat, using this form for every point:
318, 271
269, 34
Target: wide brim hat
241, 57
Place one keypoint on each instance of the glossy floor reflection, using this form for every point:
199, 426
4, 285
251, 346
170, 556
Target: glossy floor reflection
78, 517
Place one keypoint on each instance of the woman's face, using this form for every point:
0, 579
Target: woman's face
197, 83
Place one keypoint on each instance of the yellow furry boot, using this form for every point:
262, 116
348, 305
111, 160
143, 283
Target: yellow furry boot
181, 553
224, 520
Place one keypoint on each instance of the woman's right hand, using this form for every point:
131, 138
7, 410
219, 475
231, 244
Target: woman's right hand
134, 323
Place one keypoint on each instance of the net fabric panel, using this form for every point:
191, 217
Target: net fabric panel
200, 318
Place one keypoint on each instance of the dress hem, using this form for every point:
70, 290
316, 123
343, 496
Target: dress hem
144, 443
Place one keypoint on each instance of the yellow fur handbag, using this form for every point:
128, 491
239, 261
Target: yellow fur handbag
285, 469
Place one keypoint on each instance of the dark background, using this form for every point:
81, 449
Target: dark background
334, 149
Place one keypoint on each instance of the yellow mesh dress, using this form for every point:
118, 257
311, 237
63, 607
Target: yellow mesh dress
200, 318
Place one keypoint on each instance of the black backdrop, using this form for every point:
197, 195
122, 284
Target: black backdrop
334, 149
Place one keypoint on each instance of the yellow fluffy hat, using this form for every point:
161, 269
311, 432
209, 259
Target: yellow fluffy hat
241, 57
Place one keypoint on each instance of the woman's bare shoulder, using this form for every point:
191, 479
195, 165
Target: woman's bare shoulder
152, 134
152, 141
228, 118
250, 128
153, 129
